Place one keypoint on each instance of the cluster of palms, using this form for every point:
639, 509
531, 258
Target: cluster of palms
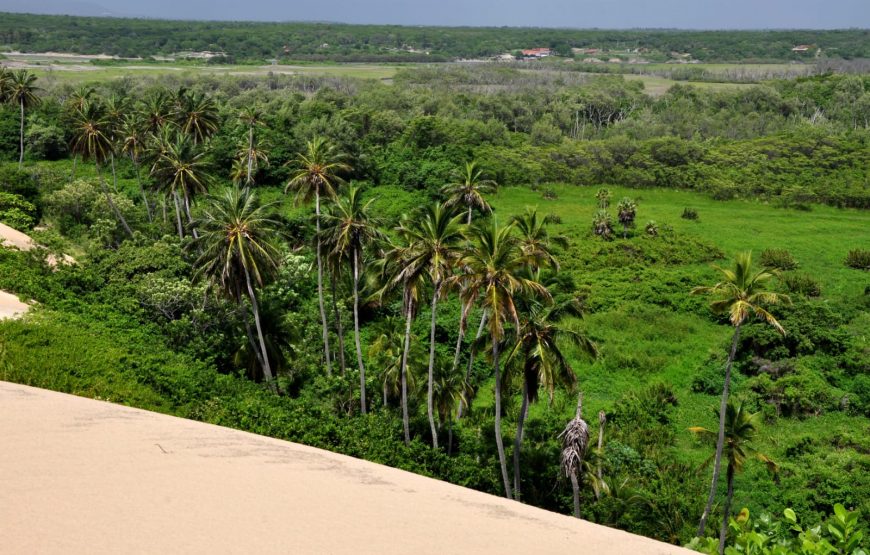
626, 212
18, 88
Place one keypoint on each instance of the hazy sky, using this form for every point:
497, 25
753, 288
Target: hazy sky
694, 14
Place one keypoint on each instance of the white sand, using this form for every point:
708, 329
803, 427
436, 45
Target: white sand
11, 307
11, 237
85, 476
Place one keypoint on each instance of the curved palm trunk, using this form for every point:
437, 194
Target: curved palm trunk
404, 377
723, 531
468, 219
463, 323
359, 356
518, 440
498, 439
267, 368
189, 215
112, 203
430, 396
720, 441
142, 190
602, 420
320, 288
21, 136
471, 356
338, 323
575, 485
177, 214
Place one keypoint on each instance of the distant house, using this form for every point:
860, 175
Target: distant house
802, 48
537, 53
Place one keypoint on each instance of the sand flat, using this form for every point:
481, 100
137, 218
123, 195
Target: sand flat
85, 476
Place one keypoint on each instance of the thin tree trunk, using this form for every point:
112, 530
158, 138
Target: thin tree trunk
114, 174
250, 152
338, 324
723, 531
471, 356
468, 219
463, 322
21, 136
320, 288
251, 340
498, 439
518, 440
112, 204
177, 214
359, 356
720, 442
385, 393
575, 485
449, 436
430, 395
142, 190
602, 420
405, 420
75, 162
267, 368
189, 215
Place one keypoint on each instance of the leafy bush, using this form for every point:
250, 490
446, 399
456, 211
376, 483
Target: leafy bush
802, 284
858, 259
689, 214
17, 212
778, 259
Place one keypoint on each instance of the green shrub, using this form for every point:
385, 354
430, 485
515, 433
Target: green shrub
778, 259
689, 214
858, 259
17, 212
802, 284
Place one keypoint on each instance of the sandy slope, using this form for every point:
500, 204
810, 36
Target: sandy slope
10, 306
84, 476
10, 237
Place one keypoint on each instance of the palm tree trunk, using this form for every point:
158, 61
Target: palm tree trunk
142, 190
21, 136
112, 204
267, 368
75, 162
468, 219
114, 174
178, 215
518, 440
463, 322
471, 355
430, 395
723, 531
575, 485
359, 356
720, 442
338, 324
602, 420
498, 439
189, 215
409, 307
320, 288
449, 436
250, 152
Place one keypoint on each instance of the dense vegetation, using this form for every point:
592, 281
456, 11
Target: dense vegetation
338, 42
362, 267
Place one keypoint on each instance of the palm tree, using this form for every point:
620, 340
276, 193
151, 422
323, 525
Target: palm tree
450, 388
251, 117
114, 109
21, 90
74, 103
602, 225
197, 116
741, 294
433, 240
538, 353
182, 167
91, 141
132, 140
352, 229
603, 196
386, 352
741, 428
157, 111
237, 254
575, 441
626, 211
536, 241
468, 190
249, 158
316, 175
496, 269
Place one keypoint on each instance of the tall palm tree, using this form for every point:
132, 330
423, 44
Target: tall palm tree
132, 139
536, 241
237, 254
157, 111
741, 294
352, 229
316, 175
114, 108
74, 103
468, 190
741, 428
249, 158
434, 239
198, 116
538, 352
251, 117
92, 141
21, 90
450, 388
575, 441
182, 168
496, 276
386, 352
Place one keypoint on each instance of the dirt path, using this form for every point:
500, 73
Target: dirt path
85, 476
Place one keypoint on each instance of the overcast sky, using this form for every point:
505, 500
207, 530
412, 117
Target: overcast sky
687, 14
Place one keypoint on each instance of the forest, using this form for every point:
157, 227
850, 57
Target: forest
651, 312
257, 42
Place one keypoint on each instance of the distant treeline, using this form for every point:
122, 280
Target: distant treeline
248, 41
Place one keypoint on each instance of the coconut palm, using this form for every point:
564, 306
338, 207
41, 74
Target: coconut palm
575, 441
237, 254
198, 116
385, 352
626, 211
21, 91
741, 294
75, 102
92, 141
249, 158
316, 175
468, 190
181, 168
251, 118
350, 229
741, 428
433, 240
132, 139
496, 276
537, 351
157, 111
450, 388
536, 241
114, 108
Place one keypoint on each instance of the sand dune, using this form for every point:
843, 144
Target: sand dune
85, 476
10, 237
10, 306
